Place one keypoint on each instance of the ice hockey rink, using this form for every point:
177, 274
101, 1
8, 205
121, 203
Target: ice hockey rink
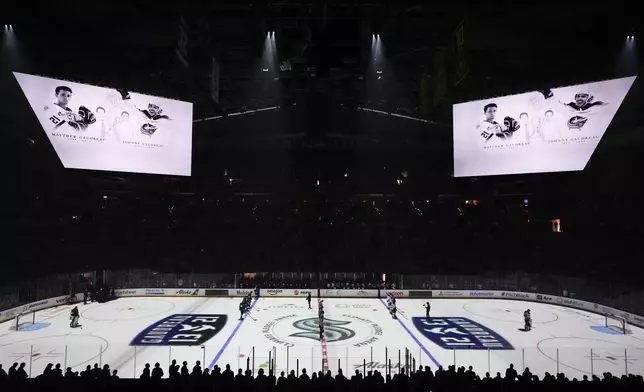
357, 331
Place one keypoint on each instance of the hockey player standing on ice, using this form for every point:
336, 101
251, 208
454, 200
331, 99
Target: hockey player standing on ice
527, 319
74, 316
392, 309
308, 299
243, 307
257, 292
427, 307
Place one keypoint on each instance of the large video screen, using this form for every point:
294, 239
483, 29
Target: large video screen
99, 128
551, 130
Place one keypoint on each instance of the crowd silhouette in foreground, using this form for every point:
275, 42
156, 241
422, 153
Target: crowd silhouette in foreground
198, 379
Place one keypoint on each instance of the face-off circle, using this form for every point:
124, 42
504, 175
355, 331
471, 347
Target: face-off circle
605, 355
291, 330
509, 311
48, 349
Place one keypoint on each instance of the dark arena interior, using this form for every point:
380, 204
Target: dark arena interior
275, 196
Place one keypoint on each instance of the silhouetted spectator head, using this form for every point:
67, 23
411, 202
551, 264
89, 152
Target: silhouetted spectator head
227, 366
156, 365
303, 371
282, 374
511, 366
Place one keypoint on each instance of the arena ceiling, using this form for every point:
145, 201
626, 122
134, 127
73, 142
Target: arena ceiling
511, 48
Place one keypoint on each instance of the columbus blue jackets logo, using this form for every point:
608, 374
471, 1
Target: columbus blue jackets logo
181, 330
148, 129
577, 122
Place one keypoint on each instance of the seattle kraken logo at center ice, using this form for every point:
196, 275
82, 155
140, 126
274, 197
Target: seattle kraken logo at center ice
460, 333
333, 330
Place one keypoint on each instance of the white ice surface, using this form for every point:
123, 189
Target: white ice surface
561, 339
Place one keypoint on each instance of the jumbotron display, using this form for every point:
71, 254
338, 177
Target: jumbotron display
552, 130
98, 128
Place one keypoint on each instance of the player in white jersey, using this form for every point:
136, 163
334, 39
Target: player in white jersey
492, 132
59, 115
488, 128
62, 117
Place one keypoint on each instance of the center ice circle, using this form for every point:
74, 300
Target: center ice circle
345, 329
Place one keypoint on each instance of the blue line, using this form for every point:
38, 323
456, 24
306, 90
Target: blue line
422, 347
232, 335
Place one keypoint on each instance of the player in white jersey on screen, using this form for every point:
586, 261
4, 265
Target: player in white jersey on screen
488, 128
62, 117
493, 132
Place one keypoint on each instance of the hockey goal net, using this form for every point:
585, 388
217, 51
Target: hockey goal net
617, 323
24, 320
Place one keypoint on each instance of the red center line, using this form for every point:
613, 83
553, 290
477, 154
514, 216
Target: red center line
325, 358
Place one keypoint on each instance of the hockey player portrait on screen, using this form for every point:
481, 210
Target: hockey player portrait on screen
62, 117
491, 131
100, 128
549, 130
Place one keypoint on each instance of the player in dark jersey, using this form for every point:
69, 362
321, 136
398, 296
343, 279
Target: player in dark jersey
427, 307
584, 104
154, 112
74, 316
